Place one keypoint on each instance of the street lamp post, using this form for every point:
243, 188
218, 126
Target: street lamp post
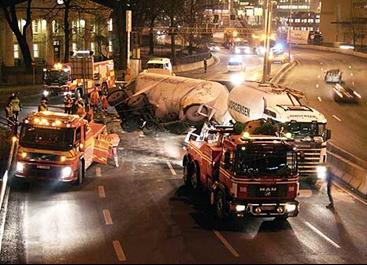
290, 29
268, 17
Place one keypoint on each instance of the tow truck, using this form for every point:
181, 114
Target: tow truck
243, 174
60, 147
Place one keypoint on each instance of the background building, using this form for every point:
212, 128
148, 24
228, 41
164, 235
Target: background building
344, 21
91, 29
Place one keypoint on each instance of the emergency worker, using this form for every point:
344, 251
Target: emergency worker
16, 105
43, 105
94, 98
68, 104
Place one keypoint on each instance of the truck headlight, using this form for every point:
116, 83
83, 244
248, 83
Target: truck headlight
321, 172
240, 208
290, 208
20, 167
45, 93
66, 172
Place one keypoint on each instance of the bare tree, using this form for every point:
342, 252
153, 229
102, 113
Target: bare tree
20, 34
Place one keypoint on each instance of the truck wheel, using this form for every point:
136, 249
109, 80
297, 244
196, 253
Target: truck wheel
81, 174
195, 177
221, 210
187, 173
193, 117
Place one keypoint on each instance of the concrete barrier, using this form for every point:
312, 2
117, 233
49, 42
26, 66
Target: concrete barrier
282, 71
193, 66
332, 49
348, 168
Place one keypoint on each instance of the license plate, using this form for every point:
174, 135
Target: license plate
268, 208
43, 167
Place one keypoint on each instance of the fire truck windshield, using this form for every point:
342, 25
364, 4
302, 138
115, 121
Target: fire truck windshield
56, 139
254, 161
55, 76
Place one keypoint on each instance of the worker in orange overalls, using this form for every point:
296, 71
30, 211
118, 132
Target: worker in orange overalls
94, 98
80, 108
104, 103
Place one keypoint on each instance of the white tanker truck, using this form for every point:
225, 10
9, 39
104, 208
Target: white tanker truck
175, 98
252, 101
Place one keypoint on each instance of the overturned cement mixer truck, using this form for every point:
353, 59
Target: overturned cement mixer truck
165, 98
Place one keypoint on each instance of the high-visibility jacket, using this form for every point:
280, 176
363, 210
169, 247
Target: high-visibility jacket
16, 104
42, 107
94, 97
68, 102
9, 111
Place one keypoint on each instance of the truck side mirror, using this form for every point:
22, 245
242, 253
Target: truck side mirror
327, 134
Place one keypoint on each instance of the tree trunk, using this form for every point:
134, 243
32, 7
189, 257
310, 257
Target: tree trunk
67, 32
173, 43
26, 53
151, 37
119, 18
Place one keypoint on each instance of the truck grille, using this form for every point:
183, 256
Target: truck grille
308, 166
266, 191
51, 173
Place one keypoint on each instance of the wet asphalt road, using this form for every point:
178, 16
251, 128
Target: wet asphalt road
141, 213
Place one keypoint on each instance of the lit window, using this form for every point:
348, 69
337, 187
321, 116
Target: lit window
21, 24
16, 51
110, 46
93, 46
110, 24
36, 52
55, 27
35, 26
82, 24
75, 47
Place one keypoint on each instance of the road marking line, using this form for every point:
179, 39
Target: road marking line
98, 172
337, 118
101, 192
350, 193
226, 244
107, 217
322, 235
319, 98
171, 168
119, 251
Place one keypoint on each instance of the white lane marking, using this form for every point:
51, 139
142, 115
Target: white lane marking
101, 192
98, 172
119, 251
226, 244
351, 194
171, 168
107, 217
337, 118
319, 98
322, 235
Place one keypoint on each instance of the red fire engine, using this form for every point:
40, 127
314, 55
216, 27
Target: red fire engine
244, 175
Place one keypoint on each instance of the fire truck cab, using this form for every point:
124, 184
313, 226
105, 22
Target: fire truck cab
60, 147
244, 175
58, 79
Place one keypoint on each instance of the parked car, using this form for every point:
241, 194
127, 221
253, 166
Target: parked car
344, 93
333, 76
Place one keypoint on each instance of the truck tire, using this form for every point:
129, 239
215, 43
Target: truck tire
81, 174
195, 177
192, 117
221, 206
187, 171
